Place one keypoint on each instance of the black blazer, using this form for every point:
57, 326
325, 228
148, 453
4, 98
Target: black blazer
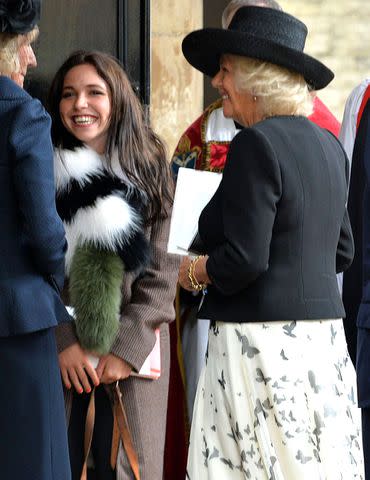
277, 229
32, 241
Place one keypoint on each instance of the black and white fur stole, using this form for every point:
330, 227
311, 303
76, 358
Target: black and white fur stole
99, 207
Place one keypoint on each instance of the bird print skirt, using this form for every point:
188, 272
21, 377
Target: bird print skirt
276, 401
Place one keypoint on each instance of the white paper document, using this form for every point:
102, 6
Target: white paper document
194, 189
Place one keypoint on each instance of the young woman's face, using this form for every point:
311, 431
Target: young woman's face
85, 106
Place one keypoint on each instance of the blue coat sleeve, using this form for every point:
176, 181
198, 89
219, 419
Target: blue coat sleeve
33, 176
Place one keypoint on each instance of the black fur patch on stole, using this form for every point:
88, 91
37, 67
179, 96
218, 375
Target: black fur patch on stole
77, 196
135, 254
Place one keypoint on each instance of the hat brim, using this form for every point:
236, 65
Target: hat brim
203, 48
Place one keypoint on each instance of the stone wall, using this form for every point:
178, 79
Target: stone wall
177, 89
339, 36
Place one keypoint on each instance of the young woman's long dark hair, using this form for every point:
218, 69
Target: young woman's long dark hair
140, 151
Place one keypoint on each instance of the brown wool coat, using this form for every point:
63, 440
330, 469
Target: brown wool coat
147, 303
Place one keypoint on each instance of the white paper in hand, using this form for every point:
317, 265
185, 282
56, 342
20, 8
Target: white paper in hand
194, 189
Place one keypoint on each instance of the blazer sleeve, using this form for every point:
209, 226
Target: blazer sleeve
251, 188
152, 301
33, 176
345, 249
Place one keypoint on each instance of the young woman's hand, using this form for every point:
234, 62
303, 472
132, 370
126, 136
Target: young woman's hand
76, 369
111, 368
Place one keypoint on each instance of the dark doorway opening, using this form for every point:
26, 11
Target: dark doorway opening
118, 27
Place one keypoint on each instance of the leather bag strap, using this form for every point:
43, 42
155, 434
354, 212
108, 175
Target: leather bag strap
115, 442
121, 430
89, 430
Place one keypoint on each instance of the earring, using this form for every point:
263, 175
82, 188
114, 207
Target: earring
254, 98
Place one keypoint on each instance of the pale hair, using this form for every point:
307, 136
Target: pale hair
278, 91
10, 44
234, 5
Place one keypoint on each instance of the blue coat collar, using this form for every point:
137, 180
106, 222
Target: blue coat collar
10, 90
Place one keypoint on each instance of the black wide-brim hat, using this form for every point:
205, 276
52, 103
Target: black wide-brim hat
261, 33
19, 16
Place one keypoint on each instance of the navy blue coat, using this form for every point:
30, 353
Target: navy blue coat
356, 282
32, 241
352, 278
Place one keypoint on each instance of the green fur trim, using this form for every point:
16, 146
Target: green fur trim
95, 289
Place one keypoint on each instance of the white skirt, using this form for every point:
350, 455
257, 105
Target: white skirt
276, 401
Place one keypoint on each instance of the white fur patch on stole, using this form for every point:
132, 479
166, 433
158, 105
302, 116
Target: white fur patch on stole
110, 222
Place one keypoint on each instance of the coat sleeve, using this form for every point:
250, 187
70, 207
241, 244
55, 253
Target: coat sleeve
33, 176
352, 278
345, 249
152, 301
251, 188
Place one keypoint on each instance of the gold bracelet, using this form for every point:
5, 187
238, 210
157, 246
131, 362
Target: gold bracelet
193, 281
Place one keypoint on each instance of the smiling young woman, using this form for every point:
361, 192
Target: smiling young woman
114, 194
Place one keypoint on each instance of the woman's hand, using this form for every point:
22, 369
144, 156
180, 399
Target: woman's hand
76, 369
111, 368
200, 272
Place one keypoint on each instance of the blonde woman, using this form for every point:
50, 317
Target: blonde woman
278, 380
33, 440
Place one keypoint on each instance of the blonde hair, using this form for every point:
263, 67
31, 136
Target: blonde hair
10, 44
279, 91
